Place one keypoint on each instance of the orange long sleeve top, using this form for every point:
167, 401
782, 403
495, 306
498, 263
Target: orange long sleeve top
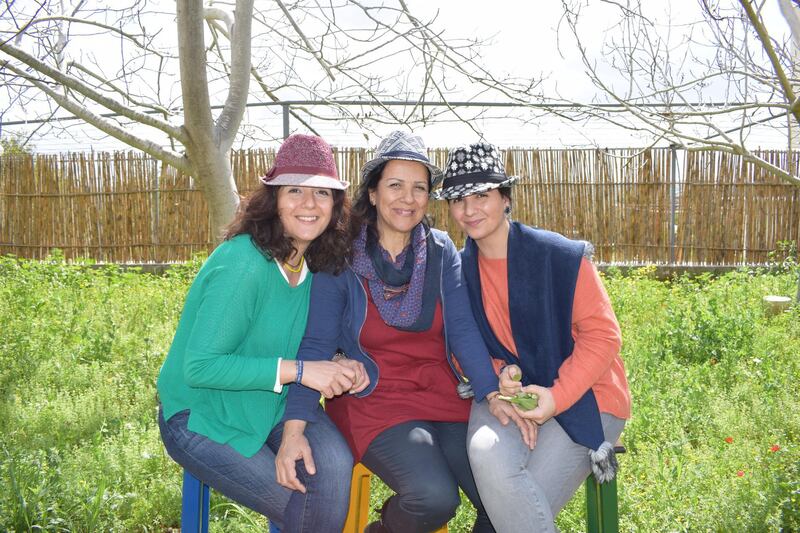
594, 363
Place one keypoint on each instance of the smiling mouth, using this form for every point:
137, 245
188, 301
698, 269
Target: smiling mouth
405, 212
307, 219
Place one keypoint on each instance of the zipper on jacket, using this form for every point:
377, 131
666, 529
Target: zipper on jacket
361, 328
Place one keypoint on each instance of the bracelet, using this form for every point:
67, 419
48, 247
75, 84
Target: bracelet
299, 377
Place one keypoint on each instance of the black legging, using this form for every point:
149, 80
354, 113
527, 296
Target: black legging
424, 463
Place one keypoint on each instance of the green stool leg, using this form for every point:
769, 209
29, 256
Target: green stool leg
601, 506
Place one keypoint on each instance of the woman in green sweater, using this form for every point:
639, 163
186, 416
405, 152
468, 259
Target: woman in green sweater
221, 388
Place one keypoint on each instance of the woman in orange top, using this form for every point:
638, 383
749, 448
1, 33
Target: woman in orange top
546, 318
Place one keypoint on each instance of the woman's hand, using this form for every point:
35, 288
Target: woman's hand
294, 447
508, 385
546, 408
505, 412
332, 379
362, 379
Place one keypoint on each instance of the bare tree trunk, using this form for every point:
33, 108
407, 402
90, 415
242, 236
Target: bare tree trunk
208, 143
213, 174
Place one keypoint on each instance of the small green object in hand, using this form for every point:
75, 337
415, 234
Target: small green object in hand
524, 400
517, 376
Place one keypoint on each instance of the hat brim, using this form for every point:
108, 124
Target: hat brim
436, 173
307, 180
468, 189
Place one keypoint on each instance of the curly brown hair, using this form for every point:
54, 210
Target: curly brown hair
258, 216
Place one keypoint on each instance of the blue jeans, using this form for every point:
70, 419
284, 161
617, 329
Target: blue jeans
424, 463
251, 481
524, 489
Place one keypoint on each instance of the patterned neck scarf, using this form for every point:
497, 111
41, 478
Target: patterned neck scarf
399, 289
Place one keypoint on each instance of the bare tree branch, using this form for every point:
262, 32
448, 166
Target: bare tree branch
176, 160
305, 40
228, 122
80, 87
656, 68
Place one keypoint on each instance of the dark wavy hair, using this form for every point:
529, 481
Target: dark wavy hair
505, 192
258, 216
364, 212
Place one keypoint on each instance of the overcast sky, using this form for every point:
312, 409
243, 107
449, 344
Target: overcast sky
523, 40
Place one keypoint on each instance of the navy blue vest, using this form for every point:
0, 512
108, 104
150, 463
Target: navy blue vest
542, 273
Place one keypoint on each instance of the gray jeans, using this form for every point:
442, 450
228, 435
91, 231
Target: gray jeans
523, 489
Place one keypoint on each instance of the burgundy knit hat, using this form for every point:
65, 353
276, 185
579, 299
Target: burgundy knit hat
307, 161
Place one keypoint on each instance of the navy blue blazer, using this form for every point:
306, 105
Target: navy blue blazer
337, 312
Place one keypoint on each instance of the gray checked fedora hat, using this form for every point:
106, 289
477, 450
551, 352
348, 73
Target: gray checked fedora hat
473, 169
402, 145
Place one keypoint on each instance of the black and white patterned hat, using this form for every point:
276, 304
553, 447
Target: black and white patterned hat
473, 169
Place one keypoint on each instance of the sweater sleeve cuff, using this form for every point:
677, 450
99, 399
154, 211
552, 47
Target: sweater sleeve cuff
278, 387
481, 394
302, 403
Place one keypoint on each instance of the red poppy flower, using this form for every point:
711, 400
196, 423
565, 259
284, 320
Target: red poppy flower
729, 440
740, 473
774, 448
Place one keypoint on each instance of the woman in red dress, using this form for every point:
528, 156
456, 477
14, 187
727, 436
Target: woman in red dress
401, 309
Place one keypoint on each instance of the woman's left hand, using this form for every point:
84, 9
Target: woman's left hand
546, 408
362, 379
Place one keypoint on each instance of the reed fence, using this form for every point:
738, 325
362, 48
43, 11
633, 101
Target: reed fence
656, 206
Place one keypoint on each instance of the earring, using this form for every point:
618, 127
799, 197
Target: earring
507, 210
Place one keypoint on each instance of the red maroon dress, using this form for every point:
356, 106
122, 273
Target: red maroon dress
415, 382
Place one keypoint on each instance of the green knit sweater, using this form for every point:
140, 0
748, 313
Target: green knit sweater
239, 317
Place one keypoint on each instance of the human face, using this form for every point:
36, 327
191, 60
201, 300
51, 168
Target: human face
305, 212
400, 198
481, 215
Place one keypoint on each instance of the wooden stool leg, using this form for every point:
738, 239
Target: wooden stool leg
358, 515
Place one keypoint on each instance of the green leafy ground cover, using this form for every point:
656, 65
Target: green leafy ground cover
714, 444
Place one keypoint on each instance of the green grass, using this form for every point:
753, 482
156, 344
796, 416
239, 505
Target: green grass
80, 350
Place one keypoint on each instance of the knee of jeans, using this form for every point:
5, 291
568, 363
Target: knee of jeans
334, 459
432, 502
482, 446
333, 471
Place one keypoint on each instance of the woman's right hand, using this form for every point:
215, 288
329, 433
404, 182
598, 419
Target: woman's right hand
331, 378
508, 385
505, 413
294, 447
362, 379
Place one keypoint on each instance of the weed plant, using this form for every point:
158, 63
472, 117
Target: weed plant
714, 443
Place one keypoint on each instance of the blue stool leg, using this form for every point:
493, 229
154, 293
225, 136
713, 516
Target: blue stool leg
194, 508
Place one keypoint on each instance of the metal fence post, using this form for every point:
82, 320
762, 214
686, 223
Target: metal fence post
285, 108
673, 171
